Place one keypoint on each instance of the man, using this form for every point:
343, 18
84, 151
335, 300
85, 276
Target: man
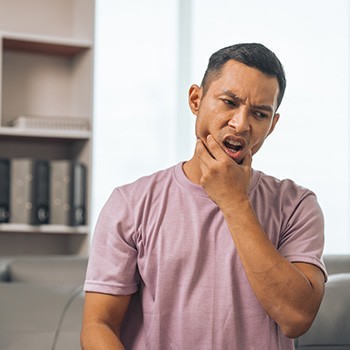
210, 254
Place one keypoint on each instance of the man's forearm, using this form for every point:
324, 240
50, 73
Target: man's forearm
282, 289
100, 337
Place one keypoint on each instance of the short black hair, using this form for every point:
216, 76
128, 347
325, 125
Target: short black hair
253, 55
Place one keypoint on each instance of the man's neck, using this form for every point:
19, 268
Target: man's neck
192, 170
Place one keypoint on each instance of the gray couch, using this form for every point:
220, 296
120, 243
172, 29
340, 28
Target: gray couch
331, 328
41, 302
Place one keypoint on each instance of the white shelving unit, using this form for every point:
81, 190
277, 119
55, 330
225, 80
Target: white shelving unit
46, 69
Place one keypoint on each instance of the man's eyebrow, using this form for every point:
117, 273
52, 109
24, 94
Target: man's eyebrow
266, 108
231, 95
234, 97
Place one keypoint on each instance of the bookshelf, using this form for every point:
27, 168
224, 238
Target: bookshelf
46, 69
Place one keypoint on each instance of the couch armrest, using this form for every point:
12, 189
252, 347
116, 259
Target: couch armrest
337, 263
53, 270
4, 269
330, 329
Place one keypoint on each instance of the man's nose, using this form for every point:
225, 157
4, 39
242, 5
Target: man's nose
240, 121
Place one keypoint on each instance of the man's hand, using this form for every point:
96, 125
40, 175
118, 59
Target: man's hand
225, 181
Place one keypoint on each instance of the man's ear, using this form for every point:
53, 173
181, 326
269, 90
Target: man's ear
194, 98
276, 117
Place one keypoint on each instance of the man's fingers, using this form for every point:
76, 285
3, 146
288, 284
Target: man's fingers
248, 159
203, 151
214, 148
200, 148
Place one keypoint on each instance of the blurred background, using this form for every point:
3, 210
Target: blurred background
148, 53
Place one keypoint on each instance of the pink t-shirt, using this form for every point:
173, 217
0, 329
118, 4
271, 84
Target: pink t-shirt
163, 238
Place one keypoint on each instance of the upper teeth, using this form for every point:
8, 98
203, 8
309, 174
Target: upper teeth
234, 143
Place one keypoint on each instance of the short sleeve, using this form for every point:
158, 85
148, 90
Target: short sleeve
303, 237
113, 255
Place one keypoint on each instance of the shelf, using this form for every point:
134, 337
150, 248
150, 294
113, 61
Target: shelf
46, 229
44, 44
44, 134
46, 71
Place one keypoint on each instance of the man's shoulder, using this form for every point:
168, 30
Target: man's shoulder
149, 182
278, 187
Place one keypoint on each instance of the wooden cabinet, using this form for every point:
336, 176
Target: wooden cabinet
46, 70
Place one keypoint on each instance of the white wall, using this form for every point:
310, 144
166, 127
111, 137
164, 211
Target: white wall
135, 92
139, 92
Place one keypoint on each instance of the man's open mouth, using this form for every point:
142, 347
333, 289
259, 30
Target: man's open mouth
234, 145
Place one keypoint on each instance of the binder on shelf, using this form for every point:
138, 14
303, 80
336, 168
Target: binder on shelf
21, 191
29, 191
41, 194
78, 197
4, 190
67, 193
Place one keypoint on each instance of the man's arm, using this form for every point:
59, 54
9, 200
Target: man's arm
103, 315
290, 293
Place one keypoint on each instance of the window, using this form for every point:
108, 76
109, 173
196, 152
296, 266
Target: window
141, 121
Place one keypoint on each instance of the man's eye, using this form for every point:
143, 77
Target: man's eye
229, 102
260, 115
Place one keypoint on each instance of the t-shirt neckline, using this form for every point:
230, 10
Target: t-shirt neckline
187, 184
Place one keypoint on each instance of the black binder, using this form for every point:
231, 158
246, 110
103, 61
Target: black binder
4, 190
41, 192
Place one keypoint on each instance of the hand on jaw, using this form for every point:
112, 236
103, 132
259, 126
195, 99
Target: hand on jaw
225, 181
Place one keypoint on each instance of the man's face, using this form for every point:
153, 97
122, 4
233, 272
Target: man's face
238, 109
